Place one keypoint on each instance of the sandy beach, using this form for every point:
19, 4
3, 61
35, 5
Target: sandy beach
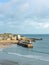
7, 43
3, 46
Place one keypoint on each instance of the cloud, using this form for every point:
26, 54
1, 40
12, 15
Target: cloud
43, 25
25, 15
14, 1
36, 25
46, 25
24, 7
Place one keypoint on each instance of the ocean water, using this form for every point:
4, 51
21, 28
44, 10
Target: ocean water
17, 55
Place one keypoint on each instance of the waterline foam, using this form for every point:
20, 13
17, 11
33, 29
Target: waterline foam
30, 56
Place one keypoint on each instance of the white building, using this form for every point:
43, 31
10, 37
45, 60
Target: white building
19, 37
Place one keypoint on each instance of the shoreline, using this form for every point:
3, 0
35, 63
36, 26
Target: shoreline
4, 45
7, 43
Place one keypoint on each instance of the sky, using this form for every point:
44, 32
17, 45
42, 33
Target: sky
24, 16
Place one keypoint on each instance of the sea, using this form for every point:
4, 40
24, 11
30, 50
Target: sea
17, 55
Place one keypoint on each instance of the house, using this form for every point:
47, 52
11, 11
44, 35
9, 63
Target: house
1, 38
14, 38
8, 38
18, 37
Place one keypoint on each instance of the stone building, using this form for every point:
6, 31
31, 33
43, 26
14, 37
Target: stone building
8, 38
14, 38
1, 38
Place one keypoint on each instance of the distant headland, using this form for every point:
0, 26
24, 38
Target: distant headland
7, 39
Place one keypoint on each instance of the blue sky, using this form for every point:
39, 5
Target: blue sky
24, 16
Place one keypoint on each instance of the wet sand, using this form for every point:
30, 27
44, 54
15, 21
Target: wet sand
7, 62
7, 43
4, 46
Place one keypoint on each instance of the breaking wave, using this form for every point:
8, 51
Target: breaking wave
31, 56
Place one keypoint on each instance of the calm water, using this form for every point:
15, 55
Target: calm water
17, 55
